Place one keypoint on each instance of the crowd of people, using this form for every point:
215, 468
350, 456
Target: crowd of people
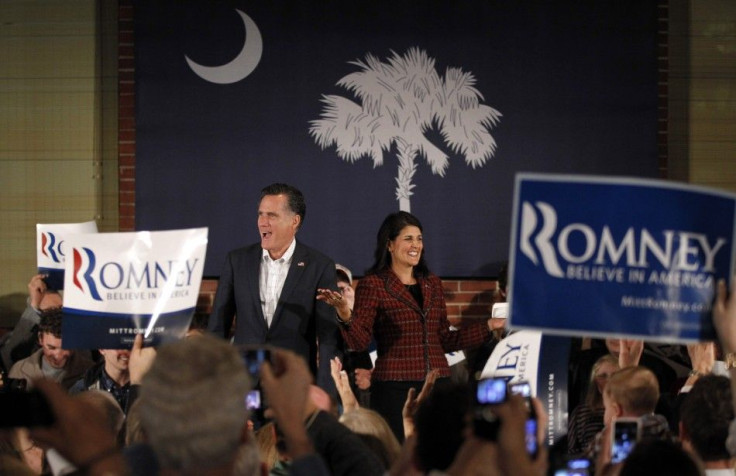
320, 405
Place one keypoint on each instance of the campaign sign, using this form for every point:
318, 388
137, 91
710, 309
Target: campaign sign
51, 249
119, 285
606, 257
541, 360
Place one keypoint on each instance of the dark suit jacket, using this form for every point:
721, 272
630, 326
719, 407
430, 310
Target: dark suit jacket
300, 321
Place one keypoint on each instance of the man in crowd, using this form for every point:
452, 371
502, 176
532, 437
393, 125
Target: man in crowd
51, 361
705, 415
188, 430
110, 375
21, 341
185, 429
632, 392
272, 286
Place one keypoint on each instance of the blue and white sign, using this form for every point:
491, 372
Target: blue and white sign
119, 285
51, 249
542, 361
605, 256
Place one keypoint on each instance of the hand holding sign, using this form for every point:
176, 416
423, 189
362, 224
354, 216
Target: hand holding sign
119, 285
140, 361
724, 316
630, 351
36, 290
648, 273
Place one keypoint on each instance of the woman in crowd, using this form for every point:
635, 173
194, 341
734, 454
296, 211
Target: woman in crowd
402, 305
587, 418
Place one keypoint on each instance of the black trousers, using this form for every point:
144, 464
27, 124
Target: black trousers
388, 398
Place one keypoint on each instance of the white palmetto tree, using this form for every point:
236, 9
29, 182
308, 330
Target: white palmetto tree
397, 102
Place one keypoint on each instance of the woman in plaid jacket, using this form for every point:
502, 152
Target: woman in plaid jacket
402, 305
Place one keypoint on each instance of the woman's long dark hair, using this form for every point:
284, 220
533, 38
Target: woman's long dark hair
390, 229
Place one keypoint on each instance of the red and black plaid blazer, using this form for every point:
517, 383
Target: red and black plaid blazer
411, 341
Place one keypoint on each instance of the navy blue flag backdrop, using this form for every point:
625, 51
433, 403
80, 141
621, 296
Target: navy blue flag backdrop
374, 106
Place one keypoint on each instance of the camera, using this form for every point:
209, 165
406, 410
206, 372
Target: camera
13, 384
625, 435
574, 467
20, 408
490, 391
521, 388
253, 400
254, 357
524, 389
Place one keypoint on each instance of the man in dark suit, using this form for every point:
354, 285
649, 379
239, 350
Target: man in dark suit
272, 287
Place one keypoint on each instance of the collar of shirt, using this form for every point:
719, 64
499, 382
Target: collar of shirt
120, 393
286, 258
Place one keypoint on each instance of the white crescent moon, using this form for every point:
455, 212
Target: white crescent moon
242, 65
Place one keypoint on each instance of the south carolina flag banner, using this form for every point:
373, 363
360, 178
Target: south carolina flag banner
618, 257
119, 285
51, 249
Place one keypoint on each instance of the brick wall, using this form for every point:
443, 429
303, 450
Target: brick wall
126, 116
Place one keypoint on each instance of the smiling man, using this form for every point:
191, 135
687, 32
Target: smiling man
271, 287
51, 360
110, 375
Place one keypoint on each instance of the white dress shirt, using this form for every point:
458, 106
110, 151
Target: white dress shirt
272, 277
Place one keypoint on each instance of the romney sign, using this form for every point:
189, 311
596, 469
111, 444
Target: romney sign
616, 256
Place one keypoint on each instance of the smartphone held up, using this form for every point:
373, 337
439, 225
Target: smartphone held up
494, 391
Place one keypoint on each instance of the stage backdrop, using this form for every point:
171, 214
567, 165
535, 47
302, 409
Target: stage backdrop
374, 106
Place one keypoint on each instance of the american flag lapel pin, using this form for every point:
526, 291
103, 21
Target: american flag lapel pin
300, 263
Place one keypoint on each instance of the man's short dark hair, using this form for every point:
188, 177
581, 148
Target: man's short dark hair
706, 414
295, 198
50, 322
659, 458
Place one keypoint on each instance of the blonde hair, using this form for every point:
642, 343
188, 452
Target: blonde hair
363, 421
594, 398
266, 440
635, 389
248, 458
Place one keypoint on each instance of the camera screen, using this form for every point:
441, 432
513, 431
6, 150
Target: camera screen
253, 400
521, 388
491, 391
531, 436
575, 467
624, 439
